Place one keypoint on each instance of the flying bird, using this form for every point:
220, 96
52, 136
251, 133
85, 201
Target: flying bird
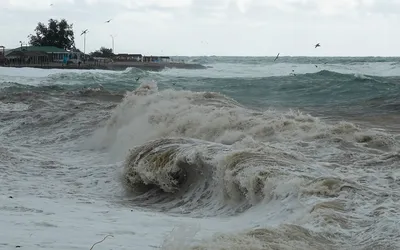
84, 32
317, 45
108, 21
276, 57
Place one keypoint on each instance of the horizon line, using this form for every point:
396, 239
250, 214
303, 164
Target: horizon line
255, 56
394, 56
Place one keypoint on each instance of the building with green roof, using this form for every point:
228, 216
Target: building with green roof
46, 49
55, 54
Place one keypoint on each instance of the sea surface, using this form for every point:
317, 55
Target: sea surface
300, 153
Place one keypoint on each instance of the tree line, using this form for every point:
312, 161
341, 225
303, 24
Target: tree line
60, 34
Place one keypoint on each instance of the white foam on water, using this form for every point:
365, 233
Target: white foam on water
277, 180
13, 107
37, 77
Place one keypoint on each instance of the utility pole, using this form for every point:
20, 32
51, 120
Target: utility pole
84, 41
112, 39
84, 44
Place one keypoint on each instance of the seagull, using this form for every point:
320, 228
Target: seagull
317, 45
276, 57
108, 21
84, 32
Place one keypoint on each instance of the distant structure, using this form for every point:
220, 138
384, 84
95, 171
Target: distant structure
41, 55
163, 59
141, 58
16, 57
2, 55
53, 57
128, 57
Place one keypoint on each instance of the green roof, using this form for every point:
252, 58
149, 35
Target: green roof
47, 49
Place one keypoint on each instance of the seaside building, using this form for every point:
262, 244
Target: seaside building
56, 54
101, 60
140, 58
42, 54
27, 57
163, 59
128, 57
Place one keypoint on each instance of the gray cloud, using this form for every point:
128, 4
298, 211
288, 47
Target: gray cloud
253, 27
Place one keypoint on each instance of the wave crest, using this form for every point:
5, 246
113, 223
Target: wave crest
147, 114
179, 174
158, 163
202, 173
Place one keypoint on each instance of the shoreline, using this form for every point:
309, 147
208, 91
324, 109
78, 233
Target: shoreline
116, 66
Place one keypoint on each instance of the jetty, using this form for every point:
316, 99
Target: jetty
49, 57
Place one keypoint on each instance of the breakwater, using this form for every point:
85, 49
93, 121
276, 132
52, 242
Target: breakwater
151, 66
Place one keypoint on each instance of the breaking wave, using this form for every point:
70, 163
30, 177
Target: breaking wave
177, 136
204, 154
147, 114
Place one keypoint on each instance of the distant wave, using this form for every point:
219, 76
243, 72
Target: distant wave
355, 76
314, 88
285, 59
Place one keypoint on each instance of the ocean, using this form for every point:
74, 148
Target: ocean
301, 153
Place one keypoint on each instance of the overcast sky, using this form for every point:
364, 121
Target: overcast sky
217, 27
